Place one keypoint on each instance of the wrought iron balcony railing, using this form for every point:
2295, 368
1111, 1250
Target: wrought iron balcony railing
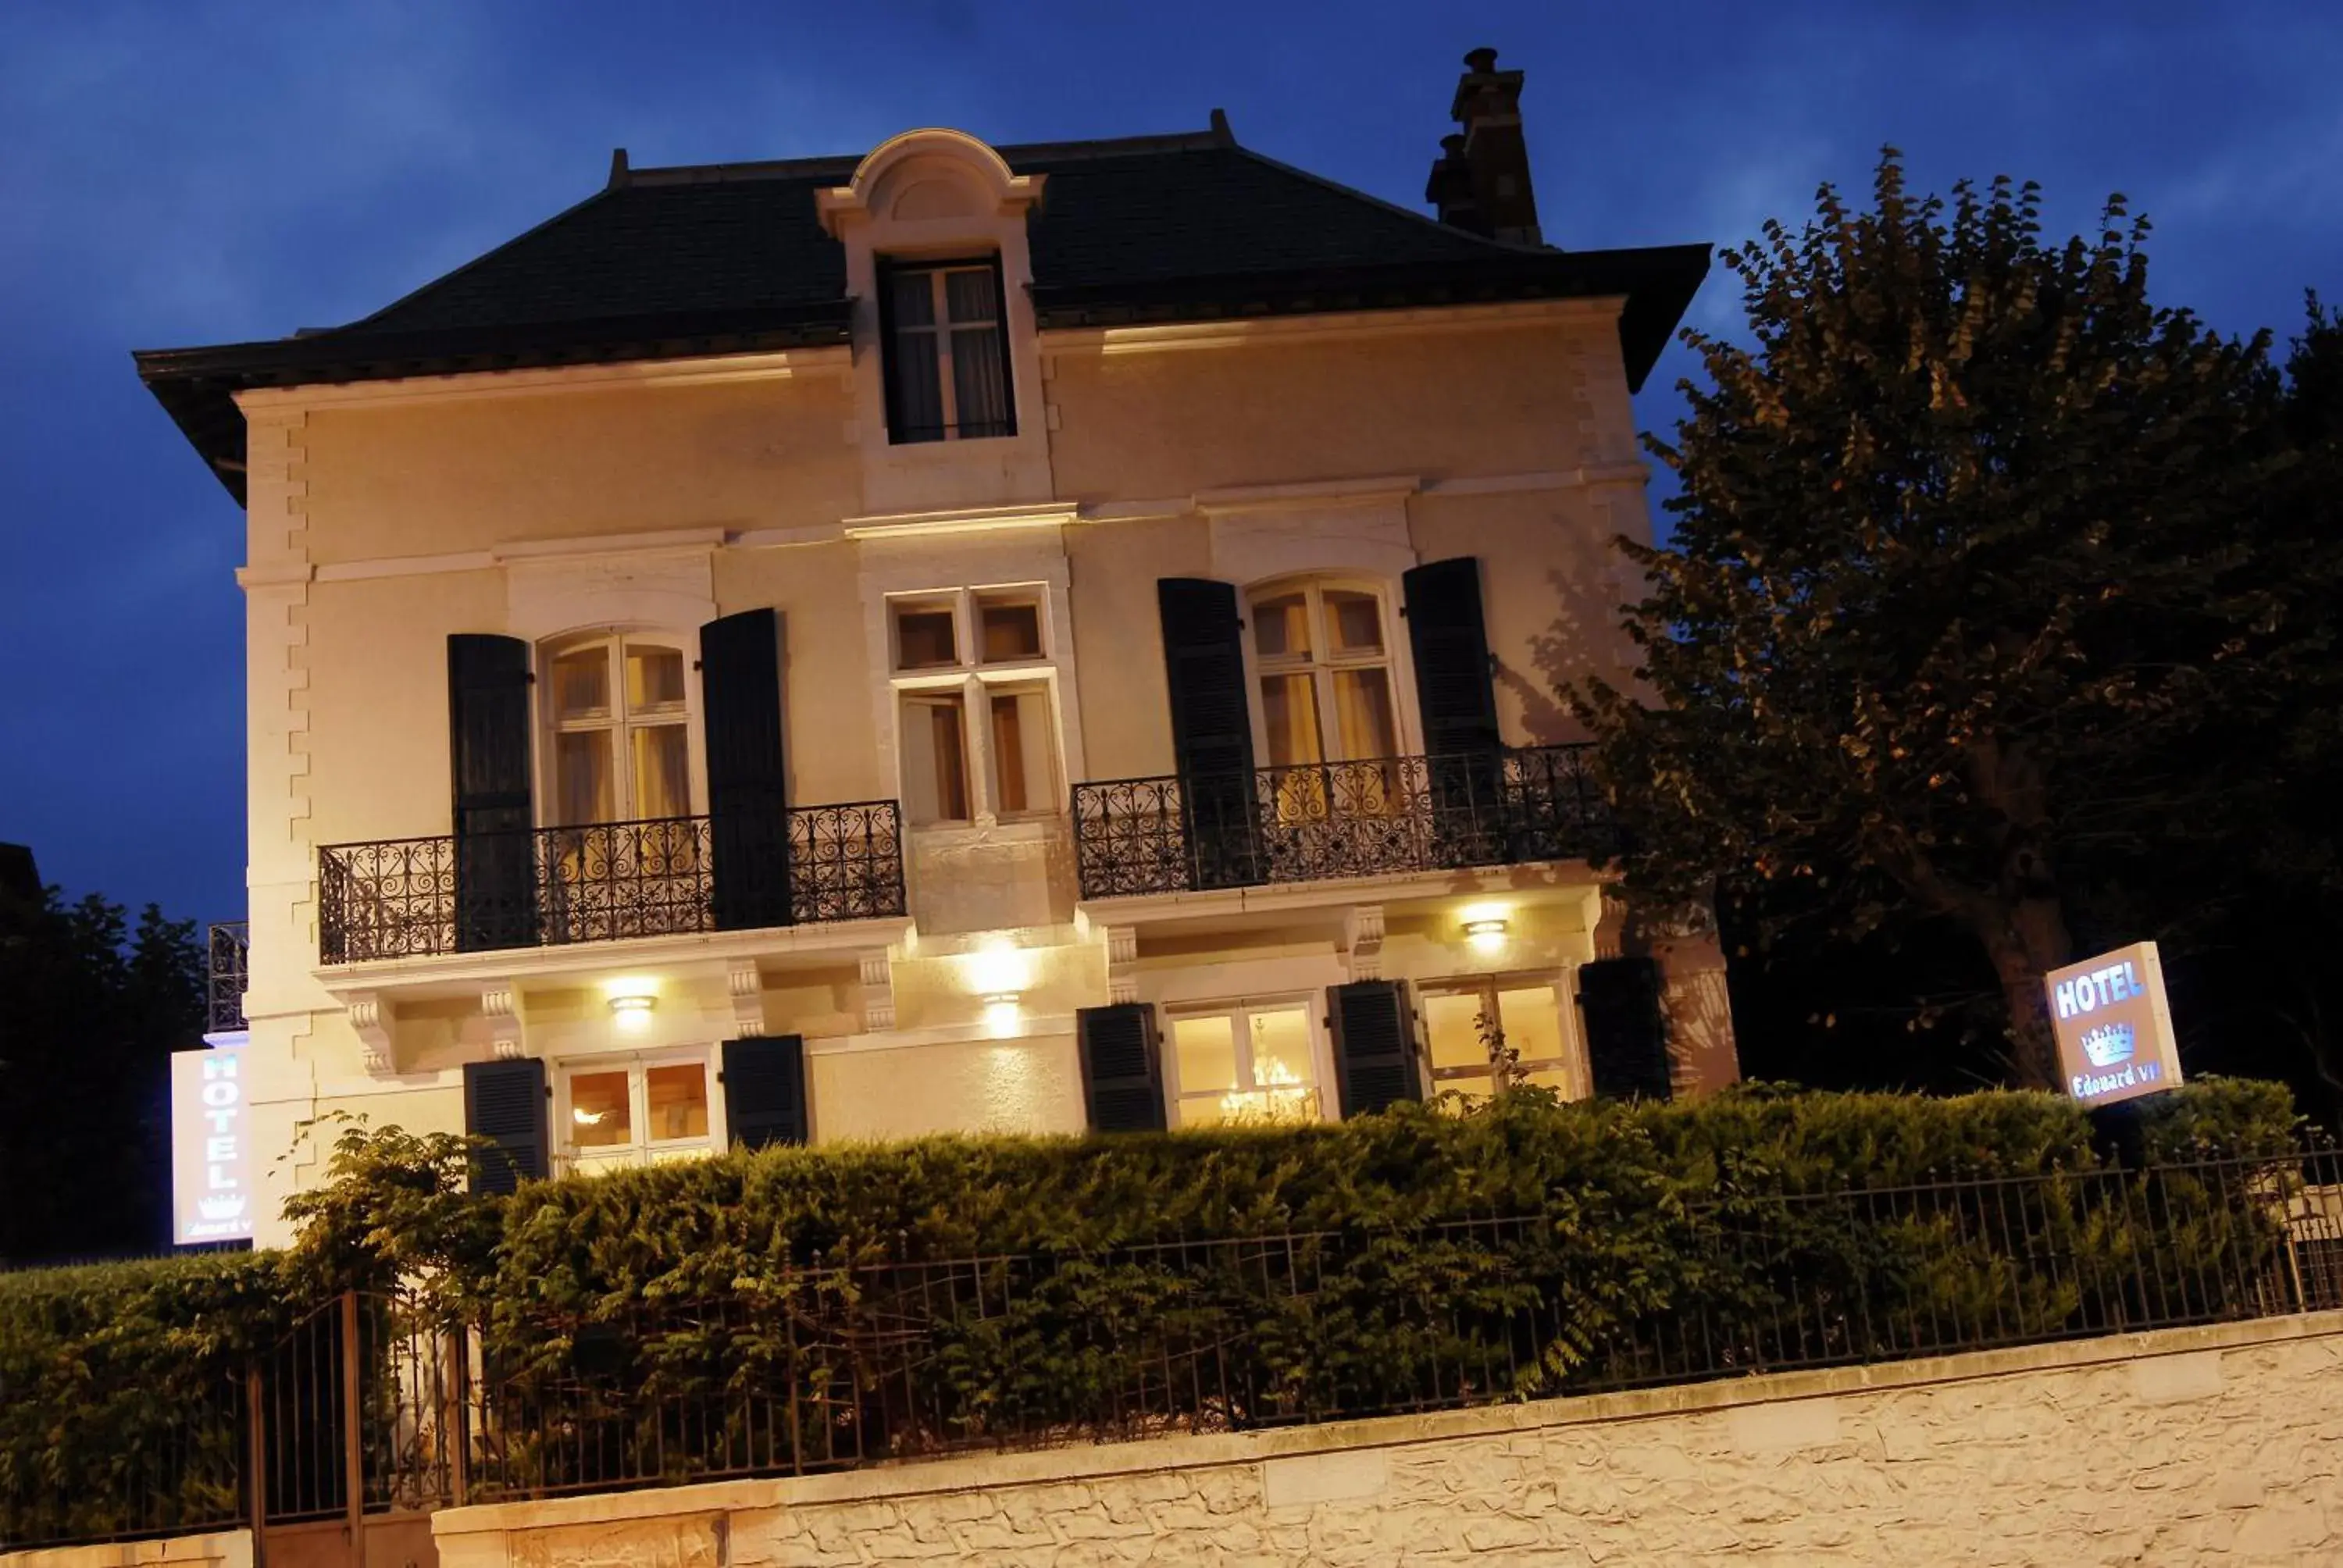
230, 943
545, 887
1333, 819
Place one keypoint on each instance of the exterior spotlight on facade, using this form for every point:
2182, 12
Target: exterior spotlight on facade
998, 969
1487, 931
631, 1008
1003, 1019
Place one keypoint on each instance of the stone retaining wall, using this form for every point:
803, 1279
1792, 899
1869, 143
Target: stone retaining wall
221, 1549
2218, 1445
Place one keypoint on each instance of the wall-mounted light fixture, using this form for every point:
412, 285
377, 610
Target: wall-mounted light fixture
1486, 930
631, 1002
998, 969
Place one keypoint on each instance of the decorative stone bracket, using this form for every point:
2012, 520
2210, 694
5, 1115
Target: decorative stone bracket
878, 992
1122, 964
1611, 929
374, 1022
500, 1004
747, 987
1362, 936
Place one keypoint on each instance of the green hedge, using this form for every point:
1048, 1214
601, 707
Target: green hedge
1534, 1245
118, 1392
696, 1228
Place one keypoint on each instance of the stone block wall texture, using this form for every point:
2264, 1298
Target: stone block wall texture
221, 1549
2216, 1445
2197, 1446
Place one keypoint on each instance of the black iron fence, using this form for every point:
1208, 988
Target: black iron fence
351, 1413
401, 898
822, 1369
229, 946
1177, 833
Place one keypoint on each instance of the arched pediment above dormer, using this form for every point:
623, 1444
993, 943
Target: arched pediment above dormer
931, 176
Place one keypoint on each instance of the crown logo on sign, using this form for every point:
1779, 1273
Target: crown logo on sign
220, 1208
2108, 1044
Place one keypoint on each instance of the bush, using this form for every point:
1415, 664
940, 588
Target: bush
119, 1391
1603, 1172
905, 1297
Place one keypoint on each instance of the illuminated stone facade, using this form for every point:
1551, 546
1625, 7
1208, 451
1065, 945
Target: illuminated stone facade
971, 632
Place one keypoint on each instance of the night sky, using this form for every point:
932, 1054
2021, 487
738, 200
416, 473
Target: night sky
176, 174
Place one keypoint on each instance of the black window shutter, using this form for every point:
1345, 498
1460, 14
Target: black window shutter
1626, 1033
504, 1102
748, 786
1373, 1033
1211, 729
488, 759
1456, 697
765, 1090
1122, 1068
1455, 692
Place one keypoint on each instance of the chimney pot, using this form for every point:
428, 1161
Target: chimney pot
1480, 182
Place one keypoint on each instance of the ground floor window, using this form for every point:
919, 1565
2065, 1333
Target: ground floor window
1245, 1064
628, 1110
1468, 1019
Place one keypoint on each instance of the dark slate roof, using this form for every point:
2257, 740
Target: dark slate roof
733, 258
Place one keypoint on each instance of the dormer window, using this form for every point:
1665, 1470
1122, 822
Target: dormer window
947, 360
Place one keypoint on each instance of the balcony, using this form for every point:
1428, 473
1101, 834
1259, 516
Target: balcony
548, 886
1329, 820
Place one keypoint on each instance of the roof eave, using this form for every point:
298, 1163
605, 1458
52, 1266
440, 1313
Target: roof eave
197, 387
1657, 284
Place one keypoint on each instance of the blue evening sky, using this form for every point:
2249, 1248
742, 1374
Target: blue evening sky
196, 171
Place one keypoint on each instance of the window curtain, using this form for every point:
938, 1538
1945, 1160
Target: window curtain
918, 384
1289, 712
662, 771
1362, 714
980, 385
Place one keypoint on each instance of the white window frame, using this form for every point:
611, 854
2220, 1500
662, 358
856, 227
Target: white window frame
613, 640
940, 310
975, 682
1399, 674
640, 1149
1240, 1011
1576, 1077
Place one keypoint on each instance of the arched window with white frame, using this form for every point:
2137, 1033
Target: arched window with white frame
1323, 668
619, 746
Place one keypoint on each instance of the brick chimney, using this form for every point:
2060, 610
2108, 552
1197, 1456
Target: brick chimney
1480, 182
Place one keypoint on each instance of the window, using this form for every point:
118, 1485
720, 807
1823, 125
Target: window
1460, 1019
620, 1111
947, 359
1011, 627
1322, 662
923, 637
976, 706
1024, 757
935, 758
1319, 653
1250, 1063
622, 732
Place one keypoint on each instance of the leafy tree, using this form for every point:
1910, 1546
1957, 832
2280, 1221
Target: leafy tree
90, 1010
2264, 977
1972, 555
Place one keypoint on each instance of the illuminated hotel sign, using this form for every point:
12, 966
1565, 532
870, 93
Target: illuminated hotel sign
211, 1181
2114, 1032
